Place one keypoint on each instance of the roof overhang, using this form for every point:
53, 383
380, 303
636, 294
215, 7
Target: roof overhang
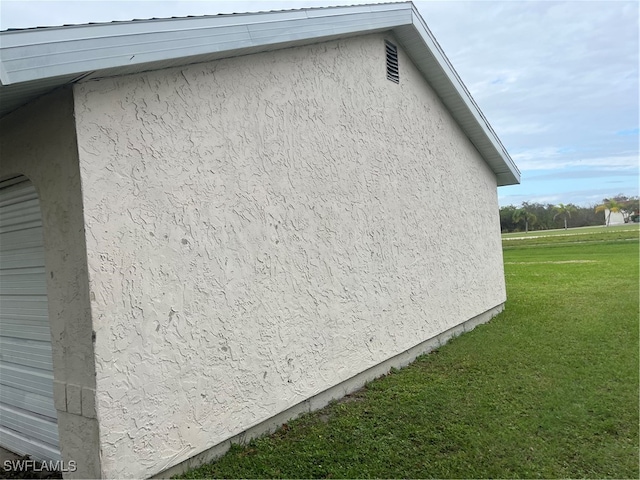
36, 61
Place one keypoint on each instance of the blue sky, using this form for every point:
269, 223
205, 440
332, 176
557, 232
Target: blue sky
558, 81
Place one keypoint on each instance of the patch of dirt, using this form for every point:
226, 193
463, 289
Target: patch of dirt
356, 396
324, 418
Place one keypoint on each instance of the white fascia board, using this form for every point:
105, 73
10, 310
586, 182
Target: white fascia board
28, 55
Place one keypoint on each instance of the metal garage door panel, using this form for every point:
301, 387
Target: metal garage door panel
24, 317
19, 207
28, 219
25, 308
25, 257
20, 421
16, 240
30, 353
16, 329
25, 281
28, 379
17, 191
28, 420
36, 403
28, 446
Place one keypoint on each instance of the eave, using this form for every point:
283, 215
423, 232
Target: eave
36, 61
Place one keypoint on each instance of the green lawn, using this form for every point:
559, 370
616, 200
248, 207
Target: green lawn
584, 235
573, 231
547, 389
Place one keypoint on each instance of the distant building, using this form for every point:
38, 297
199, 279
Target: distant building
616, 218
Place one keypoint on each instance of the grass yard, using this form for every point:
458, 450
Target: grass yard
547, 389
580, 234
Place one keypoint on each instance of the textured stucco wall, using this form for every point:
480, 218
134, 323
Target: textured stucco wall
264, 227
39, 141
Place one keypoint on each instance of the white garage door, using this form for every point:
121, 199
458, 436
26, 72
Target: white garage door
28, 422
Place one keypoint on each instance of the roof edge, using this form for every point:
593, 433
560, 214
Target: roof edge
466, 102
34, 61
26, 55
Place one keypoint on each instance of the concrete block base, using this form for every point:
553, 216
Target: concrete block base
334, 393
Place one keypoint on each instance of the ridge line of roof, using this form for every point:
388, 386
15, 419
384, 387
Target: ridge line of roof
214, 15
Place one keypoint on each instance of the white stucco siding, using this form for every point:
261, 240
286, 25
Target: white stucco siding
264, 227
38, 141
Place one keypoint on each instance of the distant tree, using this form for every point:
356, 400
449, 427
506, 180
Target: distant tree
634, 205
612, 205
585, 217
633, 209
506, 219
545, 216
630, 206
564, 211
523, 215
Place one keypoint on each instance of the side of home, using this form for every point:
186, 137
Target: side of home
219, 231
262, 228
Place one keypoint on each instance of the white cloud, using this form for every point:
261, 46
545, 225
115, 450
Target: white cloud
557, 158
522, 128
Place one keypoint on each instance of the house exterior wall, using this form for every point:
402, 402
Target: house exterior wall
39, 141
264, 227
616, 218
